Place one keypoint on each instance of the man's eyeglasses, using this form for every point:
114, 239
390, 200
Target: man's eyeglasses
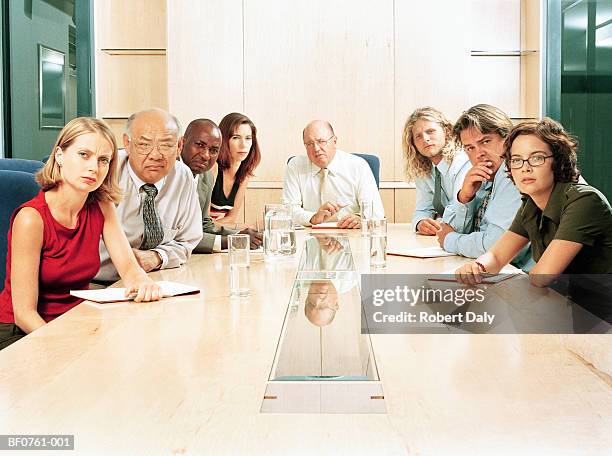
145, 148
534, 160
320, 142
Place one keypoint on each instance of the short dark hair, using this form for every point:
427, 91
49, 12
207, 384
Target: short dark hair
562, 145
485, 118
196, 122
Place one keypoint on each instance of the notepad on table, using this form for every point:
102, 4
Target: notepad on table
325, 226
118, 294
422, 252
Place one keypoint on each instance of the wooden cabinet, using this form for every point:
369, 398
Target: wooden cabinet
131, 66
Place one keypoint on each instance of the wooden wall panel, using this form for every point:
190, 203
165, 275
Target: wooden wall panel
310, 59
130, 83
496, 81
405, 201
362, 65
205, 65
494, 25
255, 200
117, 126
130, 24
431, 62
388, 200
530, 63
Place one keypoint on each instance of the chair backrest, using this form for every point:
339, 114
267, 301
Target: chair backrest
21, 164
16, 187
372, 161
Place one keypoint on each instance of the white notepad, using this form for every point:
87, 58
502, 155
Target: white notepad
118, 294
325, 226
422, 252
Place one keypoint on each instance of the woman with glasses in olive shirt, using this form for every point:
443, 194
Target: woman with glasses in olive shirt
568, 224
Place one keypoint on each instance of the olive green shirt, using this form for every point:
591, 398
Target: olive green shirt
575, 212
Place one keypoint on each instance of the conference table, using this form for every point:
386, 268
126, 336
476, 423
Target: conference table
187, 375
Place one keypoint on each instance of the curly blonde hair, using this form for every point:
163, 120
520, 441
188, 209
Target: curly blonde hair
50, 177
416, 164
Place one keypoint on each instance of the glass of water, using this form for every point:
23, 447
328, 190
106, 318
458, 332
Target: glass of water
239, 250
365, 208
378, 242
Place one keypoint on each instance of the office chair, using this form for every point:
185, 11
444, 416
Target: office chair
374, 163
21, 164
16, 187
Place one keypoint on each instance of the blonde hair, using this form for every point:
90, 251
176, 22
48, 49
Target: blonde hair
49, 176
416, 164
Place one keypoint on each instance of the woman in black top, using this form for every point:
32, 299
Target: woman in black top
238, 158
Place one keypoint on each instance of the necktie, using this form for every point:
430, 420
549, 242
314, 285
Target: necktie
482, 208
325, 193
437, 198
153, 231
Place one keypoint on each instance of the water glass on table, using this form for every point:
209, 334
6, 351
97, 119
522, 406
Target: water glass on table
378, 242
365, 208
239, 251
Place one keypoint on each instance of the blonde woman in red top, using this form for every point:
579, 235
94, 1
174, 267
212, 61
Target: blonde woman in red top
53, 240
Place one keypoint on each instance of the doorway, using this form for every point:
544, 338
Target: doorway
47, 72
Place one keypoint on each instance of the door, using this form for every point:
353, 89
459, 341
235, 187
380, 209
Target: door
48, 66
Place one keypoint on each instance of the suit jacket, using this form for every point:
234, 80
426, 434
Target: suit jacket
209, 229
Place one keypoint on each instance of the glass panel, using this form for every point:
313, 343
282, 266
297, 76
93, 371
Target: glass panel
321, 338
586, 85
52, 90
327, 256
603, 13
43, 89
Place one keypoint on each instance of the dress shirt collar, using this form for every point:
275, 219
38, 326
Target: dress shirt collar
500, 175
334, 166
552, 211
444, 167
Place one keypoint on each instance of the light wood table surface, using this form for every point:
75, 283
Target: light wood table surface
186, 376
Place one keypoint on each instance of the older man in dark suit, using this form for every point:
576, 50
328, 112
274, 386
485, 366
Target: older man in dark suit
199, 149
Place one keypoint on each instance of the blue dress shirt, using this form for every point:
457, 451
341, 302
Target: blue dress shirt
503, 204
452, 175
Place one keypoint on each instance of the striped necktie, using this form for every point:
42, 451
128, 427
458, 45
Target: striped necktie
153, 231
482, 208
437, 198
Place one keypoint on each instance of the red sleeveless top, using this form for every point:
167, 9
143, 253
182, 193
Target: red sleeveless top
69, 259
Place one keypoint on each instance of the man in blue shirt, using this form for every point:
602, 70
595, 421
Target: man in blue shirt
436, 164
486, 204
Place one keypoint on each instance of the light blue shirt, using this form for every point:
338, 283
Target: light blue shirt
452, 175
503, 204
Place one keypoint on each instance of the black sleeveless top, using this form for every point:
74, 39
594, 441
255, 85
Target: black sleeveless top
219, 203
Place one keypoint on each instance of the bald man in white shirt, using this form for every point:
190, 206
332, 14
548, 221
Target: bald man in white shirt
328, 184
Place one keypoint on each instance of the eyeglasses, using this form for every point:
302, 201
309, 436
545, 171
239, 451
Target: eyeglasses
145, 148
320, 142
534, 160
